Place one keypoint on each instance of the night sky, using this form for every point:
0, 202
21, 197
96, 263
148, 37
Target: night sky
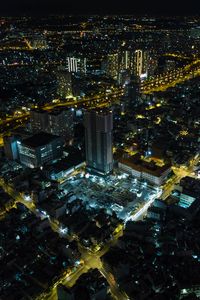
38, 7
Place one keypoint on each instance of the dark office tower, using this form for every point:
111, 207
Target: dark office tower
64, 293
10, 147
39, 120
98, 140
124, 77
133, 91
60, 122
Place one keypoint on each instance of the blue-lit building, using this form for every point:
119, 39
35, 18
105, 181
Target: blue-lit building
39, 149
11, 147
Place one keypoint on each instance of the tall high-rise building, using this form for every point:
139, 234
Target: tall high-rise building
140, 62
10, 147
94, 63
98, 140
60, 122
124, 77
39, 120
126, 59
64, 79
136, 61
76, 64
111, 65
133, 91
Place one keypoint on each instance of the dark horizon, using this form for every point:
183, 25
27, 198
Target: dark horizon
45, 7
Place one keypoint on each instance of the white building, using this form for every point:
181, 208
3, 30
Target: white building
147, 171
76, 64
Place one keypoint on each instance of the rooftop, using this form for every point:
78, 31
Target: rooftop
39, 110
39, 139
100, 111
58, 111
143, 166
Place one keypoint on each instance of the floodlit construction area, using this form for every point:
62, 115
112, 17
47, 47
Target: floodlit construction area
119, 193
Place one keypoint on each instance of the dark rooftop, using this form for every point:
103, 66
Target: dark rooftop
39, 139
100, 111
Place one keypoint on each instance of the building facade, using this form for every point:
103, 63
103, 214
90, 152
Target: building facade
10, 147
38, 120
76, 64
40, 149
64, 79
156, 175
58, 122
136, 61
112, 65
98, 140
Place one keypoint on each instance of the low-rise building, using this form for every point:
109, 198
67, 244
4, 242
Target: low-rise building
40, 149
145, 170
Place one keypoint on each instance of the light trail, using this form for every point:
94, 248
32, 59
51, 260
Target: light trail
170, 79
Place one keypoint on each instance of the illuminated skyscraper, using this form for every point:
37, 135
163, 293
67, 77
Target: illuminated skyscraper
136, 61
140, 63
64, 84
126, 59
98, 140
111, 65
76, 64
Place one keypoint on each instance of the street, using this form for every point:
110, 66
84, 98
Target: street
91, 259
